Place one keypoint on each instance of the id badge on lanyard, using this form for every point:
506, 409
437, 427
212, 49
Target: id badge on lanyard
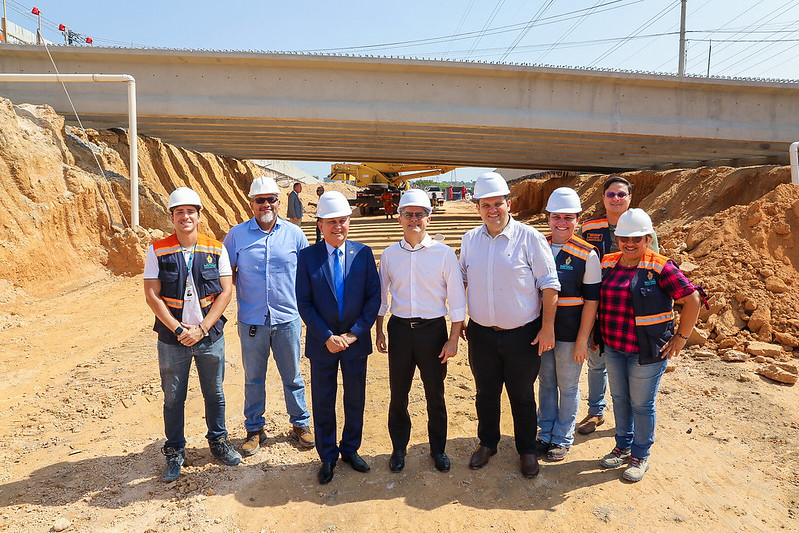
188, 293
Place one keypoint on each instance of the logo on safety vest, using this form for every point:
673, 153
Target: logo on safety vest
650, 279
567, 264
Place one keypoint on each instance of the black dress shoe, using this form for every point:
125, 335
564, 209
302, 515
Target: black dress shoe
356, 462
480, 457
529, 465
442, 461
325, 474
397, 461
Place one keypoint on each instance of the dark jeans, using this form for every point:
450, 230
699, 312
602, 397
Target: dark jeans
410, 345
174, 362
506, 358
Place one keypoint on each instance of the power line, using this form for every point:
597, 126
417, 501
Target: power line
638, 30
488, 22
568, 32
538, 14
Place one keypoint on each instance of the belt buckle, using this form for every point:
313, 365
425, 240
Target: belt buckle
413, 323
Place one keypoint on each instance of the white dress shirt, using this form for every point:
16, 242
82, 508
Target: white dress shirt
421, 280
506, 273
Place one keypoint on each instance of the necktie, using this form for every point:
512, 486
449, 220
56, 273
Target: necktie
338, 279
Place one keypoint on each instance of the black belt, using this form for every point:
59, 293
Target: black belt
416, 322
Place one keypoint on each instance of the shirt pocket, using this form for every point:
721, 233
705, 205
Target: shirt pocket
210, 280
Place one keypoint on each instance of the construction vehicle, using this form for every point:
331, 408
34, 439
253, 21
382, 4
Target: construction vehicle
375, 178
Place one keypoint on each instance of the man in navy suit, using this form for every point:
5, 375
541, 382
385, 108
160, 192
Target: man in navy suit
338, 296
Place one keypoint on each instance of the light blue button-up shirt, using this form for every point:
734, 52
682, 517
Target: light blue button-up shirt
266, 269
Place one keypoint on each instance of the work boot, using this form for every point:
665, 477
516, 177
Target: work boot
175, 459
589, 424
616, 458
222, 450
254, 440
302, 436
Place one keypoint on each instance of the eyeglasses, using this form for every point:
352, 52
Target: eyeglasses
621, 195
635, 240
411, 215
261, 199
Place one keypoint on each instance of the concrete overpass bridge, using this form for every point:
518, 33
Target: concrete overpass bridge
330, 108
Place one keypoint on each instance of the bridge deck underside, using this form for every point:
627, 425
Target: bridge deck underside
436, 144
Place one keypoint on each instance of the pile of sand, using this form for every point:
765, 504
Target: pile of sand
730, 229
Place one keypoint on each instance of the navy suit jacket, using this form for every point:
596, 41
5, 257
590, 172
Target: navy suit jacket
316, 298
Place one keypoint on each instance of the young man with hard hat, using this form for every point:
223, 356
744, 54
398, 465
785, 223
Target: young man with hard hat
617, 194
187, 284
423, 276
263, 253
580, 275
509, 271
338, 296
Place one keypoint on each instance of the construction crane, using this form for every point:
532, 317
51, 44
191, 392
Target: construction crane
375, 178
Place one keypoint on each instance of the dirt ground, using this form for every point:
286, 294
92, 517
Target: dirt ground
81, 427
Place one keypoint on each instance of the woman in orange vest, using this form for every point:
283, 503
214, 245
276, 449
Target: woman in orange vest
636, 321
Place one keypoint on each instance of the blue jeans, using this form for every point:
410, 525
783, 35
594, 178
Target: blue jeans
633, 388
559, 374
174, 363
284, 341
597, 383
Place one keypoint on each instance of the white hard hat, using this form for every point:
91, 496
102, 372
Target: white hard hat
333, 204
263, 185
417, 198
184, 196
490, 184
634, 223
564, 200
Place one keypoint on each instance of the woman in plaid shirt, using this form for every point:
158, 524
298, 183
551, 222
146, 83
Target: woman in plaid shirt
636, 321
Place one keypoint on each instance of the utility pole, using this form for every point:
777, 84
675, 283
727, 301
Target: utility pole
709, 49
5, 23
681, 66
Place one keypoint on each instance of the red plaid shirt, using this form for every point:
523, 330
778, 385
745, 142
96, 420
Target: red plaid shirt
616, 317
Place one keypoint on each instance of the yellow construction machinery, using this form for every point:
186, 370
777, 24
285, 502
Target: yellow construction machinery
375, 178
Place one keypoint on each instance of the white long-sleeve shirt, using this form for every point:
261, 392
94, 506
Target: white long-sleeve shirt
506, 273
422, 280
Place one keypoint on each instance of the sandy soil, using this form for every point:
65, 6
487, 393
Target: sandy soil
81, 426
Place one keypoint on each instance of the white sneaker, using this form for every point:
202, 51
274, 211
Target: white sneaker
636, 470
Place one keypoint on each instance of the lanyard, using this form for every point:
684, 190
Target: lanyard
188, 267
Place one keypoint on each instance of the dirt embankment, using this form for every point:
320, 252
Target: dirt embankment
731, 230
60, 217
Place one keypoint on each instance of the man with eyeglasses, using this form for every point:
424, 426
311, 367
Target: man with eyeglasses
423, 276
616, 196
263, 253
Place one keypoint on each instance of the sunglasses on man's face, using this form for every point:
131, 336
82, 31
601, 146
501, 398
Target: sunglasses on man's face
261, 199
620, 195
635, 240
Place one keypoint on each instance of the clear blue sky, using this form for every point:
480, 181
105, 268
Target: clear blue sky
745, 38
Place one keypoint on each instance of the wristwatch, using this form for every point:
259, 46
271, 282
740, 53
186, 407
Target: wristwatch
178, 331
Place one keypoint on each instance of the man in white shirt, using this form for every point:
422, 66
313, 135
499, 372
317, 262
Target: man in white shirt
422, 275
509, 270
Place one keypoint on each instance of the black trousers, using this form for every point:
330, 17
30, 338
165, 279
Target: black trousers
411, 344
506, 358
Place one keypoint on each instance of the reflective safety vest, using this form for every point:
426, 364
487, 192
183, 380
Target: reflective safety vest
597, 233
172, 273
652, 306
570, 265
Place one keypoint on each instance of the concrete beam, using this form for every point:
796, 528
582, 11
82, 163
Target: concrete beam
272, 106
